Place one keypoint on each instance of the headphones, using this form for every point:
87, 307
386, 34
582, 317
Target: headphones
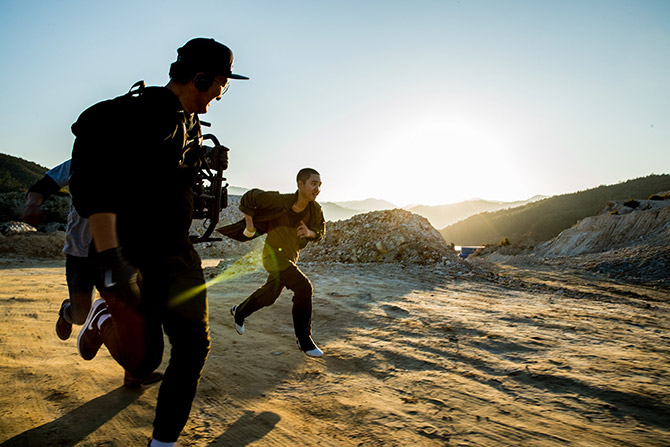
203, 82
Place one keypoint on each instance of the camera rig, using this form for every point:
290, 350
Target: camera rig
210, 190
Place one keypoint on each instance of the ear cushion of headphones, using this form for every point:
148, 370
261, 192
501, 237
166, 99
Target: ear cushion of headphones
202, 83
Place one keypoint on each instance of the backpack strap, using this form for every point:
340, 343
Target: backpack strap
137, 89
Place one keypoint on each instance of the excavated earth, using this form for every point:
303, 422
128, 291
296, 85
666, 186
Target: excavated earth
421, 348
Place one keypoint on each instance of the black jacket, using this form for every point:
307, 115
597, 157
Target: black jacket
128, 159
265, 206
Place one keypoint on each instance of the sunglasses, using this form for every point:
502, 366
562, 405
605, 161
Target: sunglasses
224, 86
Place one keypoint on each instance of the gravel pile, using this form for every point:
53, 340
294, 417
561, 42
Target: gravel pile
648, 265
389, 236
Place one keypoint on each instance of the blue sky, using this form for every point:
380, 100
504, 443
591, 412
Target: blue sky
420, 101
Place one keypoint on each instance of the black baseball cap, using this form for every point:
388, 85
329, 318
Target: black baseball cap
208, 56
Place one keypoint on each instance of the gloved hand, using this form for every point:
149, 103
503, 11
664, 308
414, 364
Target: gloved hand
218, 156
117, 280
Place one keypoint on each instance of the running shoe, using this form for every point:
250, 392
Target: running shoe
90, 339
238, 327
63, 327
309, 347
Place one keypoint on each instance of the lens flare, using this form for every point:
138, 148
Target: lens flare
247, 264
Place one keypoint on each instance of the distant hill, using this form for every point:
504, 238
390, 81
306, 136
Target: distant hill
367, 205
17, 174
442, 215
543, 220
236, 190
334, 211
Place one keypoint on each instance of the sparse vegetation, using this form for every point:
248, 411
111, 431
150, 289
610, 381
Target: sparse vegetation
543, 220
614, 213
665, 196
17, 174
504, 243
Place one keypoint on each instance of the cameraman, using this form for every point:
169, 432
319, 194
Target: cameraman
132, 178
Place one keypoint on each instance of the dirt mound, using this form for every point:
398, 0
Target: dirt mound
34, 244
381, 236
648, 224
630, 240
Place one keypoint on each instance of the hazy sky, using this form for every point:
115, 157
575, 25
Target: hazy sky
416, 101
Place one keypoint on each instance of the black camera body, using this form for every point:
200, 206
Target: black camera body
210, 190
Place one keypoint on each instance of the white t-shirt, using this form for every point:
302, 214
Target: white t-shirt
77, 235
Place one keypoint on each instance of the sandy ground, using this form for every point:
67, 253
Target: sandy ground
413, 357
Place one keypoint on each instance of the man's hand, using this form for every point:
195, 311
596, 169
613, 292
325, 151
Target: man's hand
32, 213
250, 230
218, 156
305, 232
34, 216
117, 279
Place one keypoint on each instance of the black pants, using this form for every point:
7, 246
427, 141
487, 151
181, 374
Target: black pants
293, 279
174, 299
80, 275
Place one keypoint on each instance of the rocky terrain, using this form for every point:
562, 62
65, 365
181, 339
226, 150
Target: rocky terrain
384, 237
381, 236
618, 226
421, 348
627, 241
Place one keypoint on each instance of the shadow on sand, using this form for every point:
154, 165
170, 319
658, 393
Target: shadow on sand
248, 428
71, 428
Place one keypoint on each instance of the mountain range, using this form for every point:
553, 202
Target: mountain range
443, 215
472, 222
542, 220
439, 216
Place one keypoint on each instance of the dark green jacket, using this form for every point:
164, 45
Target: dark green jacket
265, 206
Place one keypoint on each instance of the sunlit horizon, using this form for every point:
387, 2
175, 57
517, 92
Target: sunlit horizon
428, 102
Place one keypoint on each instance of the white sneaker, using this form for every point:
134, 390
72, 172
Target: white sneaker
238, 327
311, 349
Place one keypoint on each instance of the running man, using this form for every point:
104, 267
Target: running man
290, 221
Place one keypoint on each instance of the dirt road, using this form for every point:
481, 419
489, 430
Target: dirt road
413, 357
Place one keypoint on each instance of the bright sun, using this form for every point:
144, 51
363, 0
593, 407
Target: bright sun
448, 159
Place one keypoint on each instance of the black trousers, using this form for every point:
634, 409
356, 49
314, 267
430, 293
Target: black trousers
296, 281
80, 274
174, 300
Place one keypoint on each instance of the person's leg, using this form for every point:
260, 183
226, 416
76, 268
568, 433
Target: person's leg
134, 339
133, 335
264, 296
80, 274
299, 284
185, 321
80, 282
